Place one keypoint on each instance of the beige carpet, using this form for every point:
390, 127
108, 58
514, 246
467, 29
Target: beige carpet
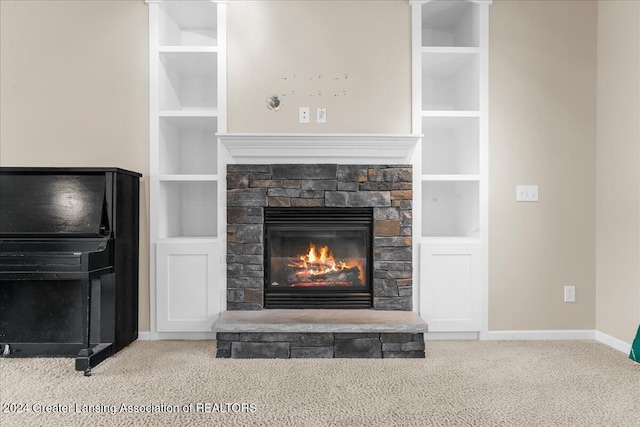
517, 383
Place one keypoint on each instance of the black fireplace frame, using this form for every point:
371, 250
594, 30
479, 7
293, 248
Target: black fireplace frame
292, 219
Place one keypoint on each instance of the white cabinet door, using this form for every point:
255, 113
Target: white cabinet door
450, 277
188, 277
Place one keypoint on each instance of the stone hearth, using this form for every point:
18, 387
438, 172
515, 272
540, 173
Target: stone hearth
319, 346
320, 334
385, 188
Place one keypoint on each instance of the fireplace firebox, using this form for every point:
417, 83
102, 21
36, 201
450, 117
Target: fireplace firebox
318, 257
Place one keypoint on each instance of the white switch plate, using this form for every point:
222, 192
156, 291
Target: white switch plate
569, 294
526, 193
303, 115
321, 115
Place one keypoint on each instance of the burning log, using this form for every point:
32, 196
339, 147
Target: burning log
320, 267
296, 274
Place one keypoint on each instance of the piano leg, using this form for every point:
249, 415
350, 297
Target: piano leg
88, 358
85, 354
87, 351
92, 355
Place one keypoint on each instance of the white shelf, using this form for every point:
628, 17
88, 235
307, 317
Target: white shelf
450, 23
450, 146
187, 178
449, 240
448, 113
188, 49
188, 80
315, 148
450, 49
188, 209
450, 81
188, 145
187, 240
450, 209
203, 112
450, 177
184, 23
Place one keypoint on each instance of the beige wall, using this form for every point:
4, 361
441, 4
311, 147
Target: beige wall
542, 109
618, 170
74, 92
352, 57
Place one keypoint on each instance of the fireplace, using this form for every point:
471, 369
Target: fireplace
283, 209
318, 257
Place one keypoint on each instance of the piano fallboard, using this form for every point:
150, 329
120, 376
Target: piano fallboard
55, 259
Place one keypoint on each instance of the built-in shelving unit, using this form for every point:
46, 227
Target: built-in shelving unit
187, 59
450, 46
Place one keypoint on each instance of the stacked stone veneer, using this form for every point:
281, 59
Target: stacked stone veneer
385, 188
320, 345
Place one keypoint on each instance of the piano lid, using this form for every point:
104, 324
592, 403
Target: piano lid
51, 205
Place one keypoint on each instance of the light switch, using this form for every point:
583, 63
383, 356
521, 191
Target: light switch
321, 115
526, 193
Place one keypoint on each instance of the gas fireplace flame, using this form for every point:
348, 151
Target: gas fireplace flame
318, 267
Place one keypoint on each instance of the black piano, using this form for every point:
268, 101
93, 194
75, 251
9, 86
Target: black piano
68, 262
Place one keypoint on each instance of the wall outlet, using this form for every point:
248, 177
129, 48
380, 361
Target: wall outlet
303, 115
322, 115
569, 294
526, 193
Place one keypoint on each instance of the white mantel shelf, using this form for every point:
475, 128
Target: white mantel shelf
315, 148
480, 2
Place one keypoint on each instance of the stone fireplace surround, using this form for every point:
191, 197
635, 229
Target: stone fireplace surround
385, 188
368, 170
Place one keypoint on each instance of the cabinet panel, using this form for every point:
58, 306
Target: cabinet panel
188, 279
450, 275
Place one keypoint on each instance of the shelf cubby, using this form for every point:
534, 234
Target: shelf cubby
450, 82
188, 209
188, 145
450, 145
188, 23
188, 81
450, 209
449, 23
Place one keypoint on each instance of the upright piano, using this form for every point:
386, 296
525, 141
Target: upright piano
68, 262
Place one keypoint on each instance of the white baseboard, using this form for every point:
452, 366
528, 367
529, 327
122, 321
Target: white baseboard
578, 334
192, 336
451, 336
613, 342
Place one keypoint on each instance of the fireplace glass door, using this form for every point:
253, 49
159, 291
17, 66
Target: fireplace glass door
321, 261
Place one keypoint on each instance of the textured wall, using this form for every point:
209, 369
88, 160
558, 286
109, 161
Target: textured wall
74, 91
618, 169
542, 115
352, 57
